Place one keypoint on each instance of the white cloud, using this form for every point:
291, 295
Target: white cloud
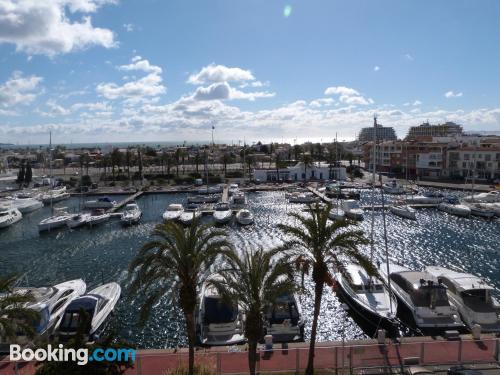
318, 103
348, 95
408, 57
129, 27
376, 68
43, 27
417, 103
55, 109
222, 91
452, 94
219, 73
150, 85
19, 89
138, 63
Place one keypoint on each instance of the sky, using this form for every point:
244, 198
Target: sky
170, 70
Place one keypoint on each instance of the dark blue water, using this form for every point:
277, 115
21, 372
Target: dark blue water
102, 254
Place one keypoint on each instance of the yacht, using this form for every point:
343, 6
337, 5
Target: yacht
103, 202
222, 213
494, 207
481, 210
455, 209
369, 296
218, 322
24, 205
191, 212
404, 210
58, 220
99, 303
9, 216
392, 187
336, 213
489, 197
352, 209
424, 296
424, 199
472, 297
174, 210
239, 199
78, 220
50, 198
50, 302
244, 217
131, 215
298, 197
98, 216
284, 319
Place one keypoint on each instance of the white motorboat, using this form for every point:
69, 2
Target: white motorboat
218, 322
239, 199
352, 209
173, 212
494, 207
50, 302
368, 296
284, 319
481, 210
54, 197
131, 215
58, 220
211, 190
98, 216
489, 197
9, 216
472, 297
204, 198
393, 187
424, 297
405, 211
78, 220
103, 202
244, 217
233, 189
455, 209
336, 213
191, 212
24, 205
298, 197
99, 304
424, 199
222, 213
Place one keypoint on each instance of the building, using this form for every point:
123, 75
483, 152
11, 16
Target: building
481, 162
321, 171
383, 133
448, 129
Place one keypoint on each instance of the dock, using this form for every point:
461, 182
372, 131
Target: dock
124, 202
320, 195
225, 194
386, 206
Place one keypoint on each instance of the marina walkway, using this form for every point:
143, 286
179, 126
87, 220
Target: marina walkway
322, 196
225, 194
127, 200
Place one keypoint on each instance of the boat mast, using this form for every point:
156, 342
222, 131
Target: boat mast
372, 244
50, 174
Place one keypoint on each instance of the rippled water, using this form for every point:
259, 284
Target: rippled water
103, 254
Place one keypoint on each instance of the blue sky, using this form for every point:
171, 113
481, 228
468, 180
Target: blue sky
109, 70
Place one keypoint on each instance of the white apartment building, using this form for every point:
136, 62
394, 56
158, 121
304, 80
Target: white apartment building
485, 161
321, 171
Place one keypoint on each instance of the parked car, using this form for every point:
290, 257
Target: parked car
460, 370
417, 370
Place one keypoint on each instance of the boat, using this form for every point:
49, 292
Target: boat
233, 189
206, 198
218, 322
78, 220
239, 199
57, 220
494, 207
368, 296
393, 187
191, 212
174, 210
424, 199
55, 196
472, 297
455, 209
9, 216
103, 202
50, 302
424, 296
299, 197
98, 216
284, 319
489, 197
336, 213
244, 217
404, 210
99, 304
222, 213
211, 190
481, 210
131, 215
24, 205
352, 209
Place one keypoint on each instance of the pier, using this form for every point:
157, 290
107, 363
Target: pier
320, 195
127, 200
225, 194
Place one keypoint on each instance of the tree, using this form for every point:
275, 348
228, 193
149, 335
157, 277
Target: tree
255, 279
28, 176
177, 157
308, 162
277, 161
226, 159
116, 160
128, 159
320, 244
14, 316
197, 160
20, 174
297, 150
175, 264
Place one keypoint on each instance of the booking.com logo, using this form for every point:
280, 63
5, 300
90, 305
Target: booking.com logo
62, 354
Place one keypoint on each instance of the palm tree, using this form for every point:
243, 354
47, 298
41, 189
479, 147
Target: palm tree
14, 316
308, 162
255, 279
176, 263
320, 245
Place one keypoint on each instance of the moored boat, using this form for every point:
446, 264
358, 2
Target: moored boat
191, 212
131, 215
78, 220
244, 217
284, 319
173, 211
393, 187
9, 216
58, 220
405, 211
222, 213
97, 216
455, 209
352, 209
103, 202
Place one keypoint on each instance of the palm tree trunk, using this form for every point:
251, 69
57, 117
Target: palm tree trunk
318, 293
191, 330
252, 356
